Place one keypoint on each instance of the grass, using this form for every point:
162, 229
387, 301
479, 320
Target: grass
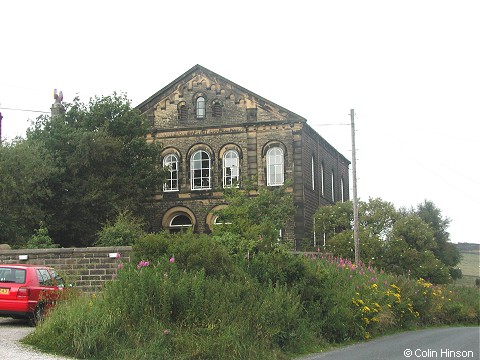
469, 264
271, 306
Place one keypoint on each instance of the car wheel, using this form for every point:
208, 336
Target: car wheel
37, 315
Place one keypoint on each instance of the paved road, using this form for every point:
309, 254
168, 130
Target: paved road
11, 331
438, 343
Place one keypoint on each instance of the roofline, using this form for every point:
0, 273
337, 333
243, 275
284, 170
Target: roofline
199, 67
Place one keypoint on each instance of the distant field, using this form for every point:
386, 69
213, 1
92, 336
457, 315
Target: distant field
470, 263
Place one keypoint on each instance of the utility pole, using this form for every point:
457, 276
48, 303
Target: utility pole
355, 199
1, 117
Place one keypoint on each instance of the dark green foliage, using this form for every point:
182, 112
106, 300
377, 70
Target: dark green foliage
25, 171
445, 251
102, 164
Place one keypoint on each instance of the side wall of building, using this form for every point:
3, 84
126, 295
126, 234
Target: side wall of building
325, 179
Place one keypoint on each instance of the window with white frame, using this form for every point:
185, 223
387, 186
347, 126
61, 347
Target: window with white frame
322, 179
179, 222
171, 163
200, 108
333, 186
231, 168
200, 170
275, 167
313, 173
342, 193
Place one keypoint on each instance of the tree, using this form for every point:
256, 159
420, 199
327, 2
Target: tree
103, 166
331, 220
377, 216
25, 171
444, 250
415, 232
254, 218
400, 241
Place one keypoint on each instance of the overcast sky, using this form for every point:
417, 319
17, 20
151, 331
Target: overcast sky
410, 69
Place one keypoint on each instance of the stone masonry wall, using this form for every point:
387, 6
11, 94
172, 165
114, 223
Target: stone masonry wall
87, 269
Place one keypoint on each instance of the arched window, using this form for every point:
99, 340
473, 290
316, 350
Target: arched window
322, 179
342, 192
171, 162
182, 112
216, 109
200, 170
220, 220
275, 167
231, 168
313, 173
200, 108
179, 222
333, 186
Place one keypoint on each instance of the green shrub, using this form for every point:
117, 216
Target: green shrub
190, 251
162, 310
41, 239
123, 232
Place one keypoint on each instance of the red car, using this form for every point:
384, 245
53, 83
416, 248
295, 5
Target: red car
28, 291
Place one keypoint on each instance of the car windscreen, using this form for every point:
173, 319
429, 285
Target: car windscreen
12, 275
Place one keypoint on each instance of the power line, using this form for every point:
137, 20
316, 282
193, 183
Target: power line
26, 110
328, 124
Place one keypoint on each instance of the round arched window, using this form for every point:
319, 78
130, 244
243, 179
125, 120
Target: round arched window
179, 222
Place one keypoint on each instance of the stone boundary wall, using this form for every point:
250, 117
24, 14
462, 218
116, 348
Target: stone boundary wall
87, 269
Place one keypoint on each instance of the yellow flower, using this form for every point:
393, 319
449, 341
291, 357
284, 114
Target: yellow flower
366, 335
395, 287
423, 283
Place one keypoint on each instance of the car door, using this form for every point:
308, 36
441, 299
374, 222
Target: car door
48, 291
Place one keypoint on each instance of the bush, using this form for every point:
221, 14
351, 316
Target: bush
162, 311
190, 251
41, 239
124, 232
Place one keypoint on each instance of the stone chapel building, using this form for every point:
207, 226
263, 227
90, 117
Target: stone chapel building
215, 133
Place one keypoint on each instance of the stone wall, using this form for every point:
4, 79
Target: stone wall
85, 268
